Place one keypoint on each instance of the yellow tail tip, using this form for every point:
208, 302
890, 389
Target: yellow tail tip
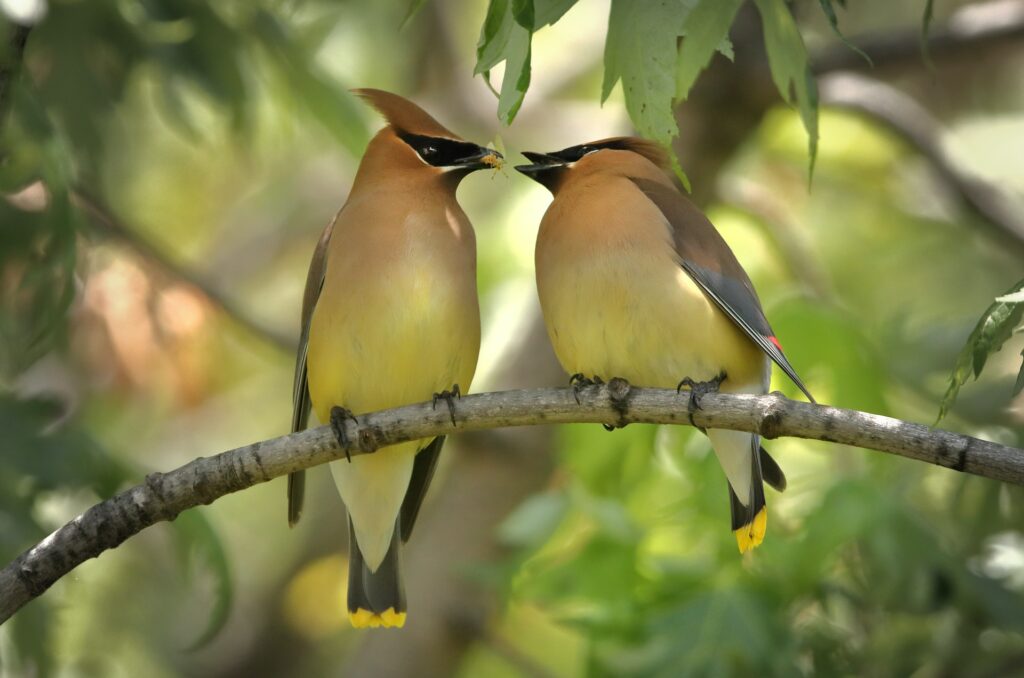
750, 536
365, 619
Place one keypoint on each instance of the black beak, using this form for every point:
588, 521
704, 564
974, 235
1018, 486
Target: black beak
546, 170
541, 163
481, 159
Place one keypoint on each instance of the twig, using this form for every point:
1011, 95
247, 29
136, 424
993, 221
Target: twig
904, 116
164, 495
973, 26
109, 224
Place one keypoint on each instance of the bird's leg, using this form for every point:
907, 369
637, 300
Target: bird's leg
579, 382
618, 393
449, 397
338, 417
699, 389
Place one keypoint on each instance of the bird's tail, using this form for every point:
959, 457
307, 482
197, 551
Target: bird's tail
750, 521
747, 467
771, 472
375, 598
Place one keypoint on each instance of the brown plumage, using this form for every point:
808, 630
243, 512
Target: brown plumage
635, 282
390, 318
402, 115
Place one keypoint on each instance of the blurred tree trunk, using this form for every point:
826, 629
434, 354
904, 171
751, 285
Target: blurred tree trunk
725, 106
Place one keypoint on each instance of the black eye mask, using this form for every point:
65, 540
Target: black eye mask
438, 151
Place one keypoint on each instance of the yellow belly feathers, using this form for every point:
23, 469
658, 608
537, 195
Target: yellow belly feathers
618, 304
391, 334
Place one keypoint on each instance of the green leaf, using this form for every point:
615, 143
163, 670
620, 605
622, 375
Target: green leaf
1018, 386
494, 36
210, 56
516, 80
993, 329
414, 7
791, 70
612, 517
706, 31
833, 21
506, 36
522, 12
547, 12
199, 541
725, 48
600, 572
534, 521
54, 455
926, 24
502, 38
641, 51
732, 621
536, 14
39, 248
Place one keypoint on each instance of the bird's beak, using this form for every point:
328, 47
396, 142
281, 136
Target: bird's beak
541, 162
481, 159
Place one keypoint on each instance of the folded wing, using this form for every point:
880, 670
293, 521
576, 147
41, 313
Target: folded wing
707, 259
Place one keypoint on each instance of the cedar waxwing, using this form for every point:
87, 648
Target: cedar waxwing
390, 317
635, 282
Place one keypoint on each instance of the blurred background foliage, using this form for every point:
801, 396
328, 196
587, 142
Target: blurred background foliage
165, 170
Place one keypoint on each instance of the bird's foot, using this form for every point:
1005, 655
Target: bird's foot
449, 397
338, 417
699, 389
618, 393
579, 382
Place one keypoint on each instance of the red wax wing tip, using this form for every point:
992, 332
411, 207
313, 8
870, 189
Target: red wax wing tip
776, 342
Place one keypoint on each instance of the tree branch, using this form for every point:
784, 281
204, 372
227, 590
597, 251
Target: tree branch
916, 126
164, 495
985, 24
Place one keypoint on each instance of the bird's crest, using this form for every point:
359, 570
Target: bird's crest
403, 115
651, 150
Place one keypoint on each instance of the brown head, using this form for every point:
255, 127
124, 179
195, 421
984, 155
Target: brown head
413, 141
625, 156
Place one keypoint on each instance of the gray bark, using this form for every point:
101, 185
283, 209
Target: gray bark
164, 495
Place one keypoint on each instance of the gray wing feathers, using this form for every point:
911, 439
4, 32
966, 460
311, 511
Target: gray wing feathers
708, 260
300, 391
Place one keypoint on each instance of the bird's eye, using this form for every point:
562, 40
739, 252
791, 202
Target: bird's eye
429, 150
